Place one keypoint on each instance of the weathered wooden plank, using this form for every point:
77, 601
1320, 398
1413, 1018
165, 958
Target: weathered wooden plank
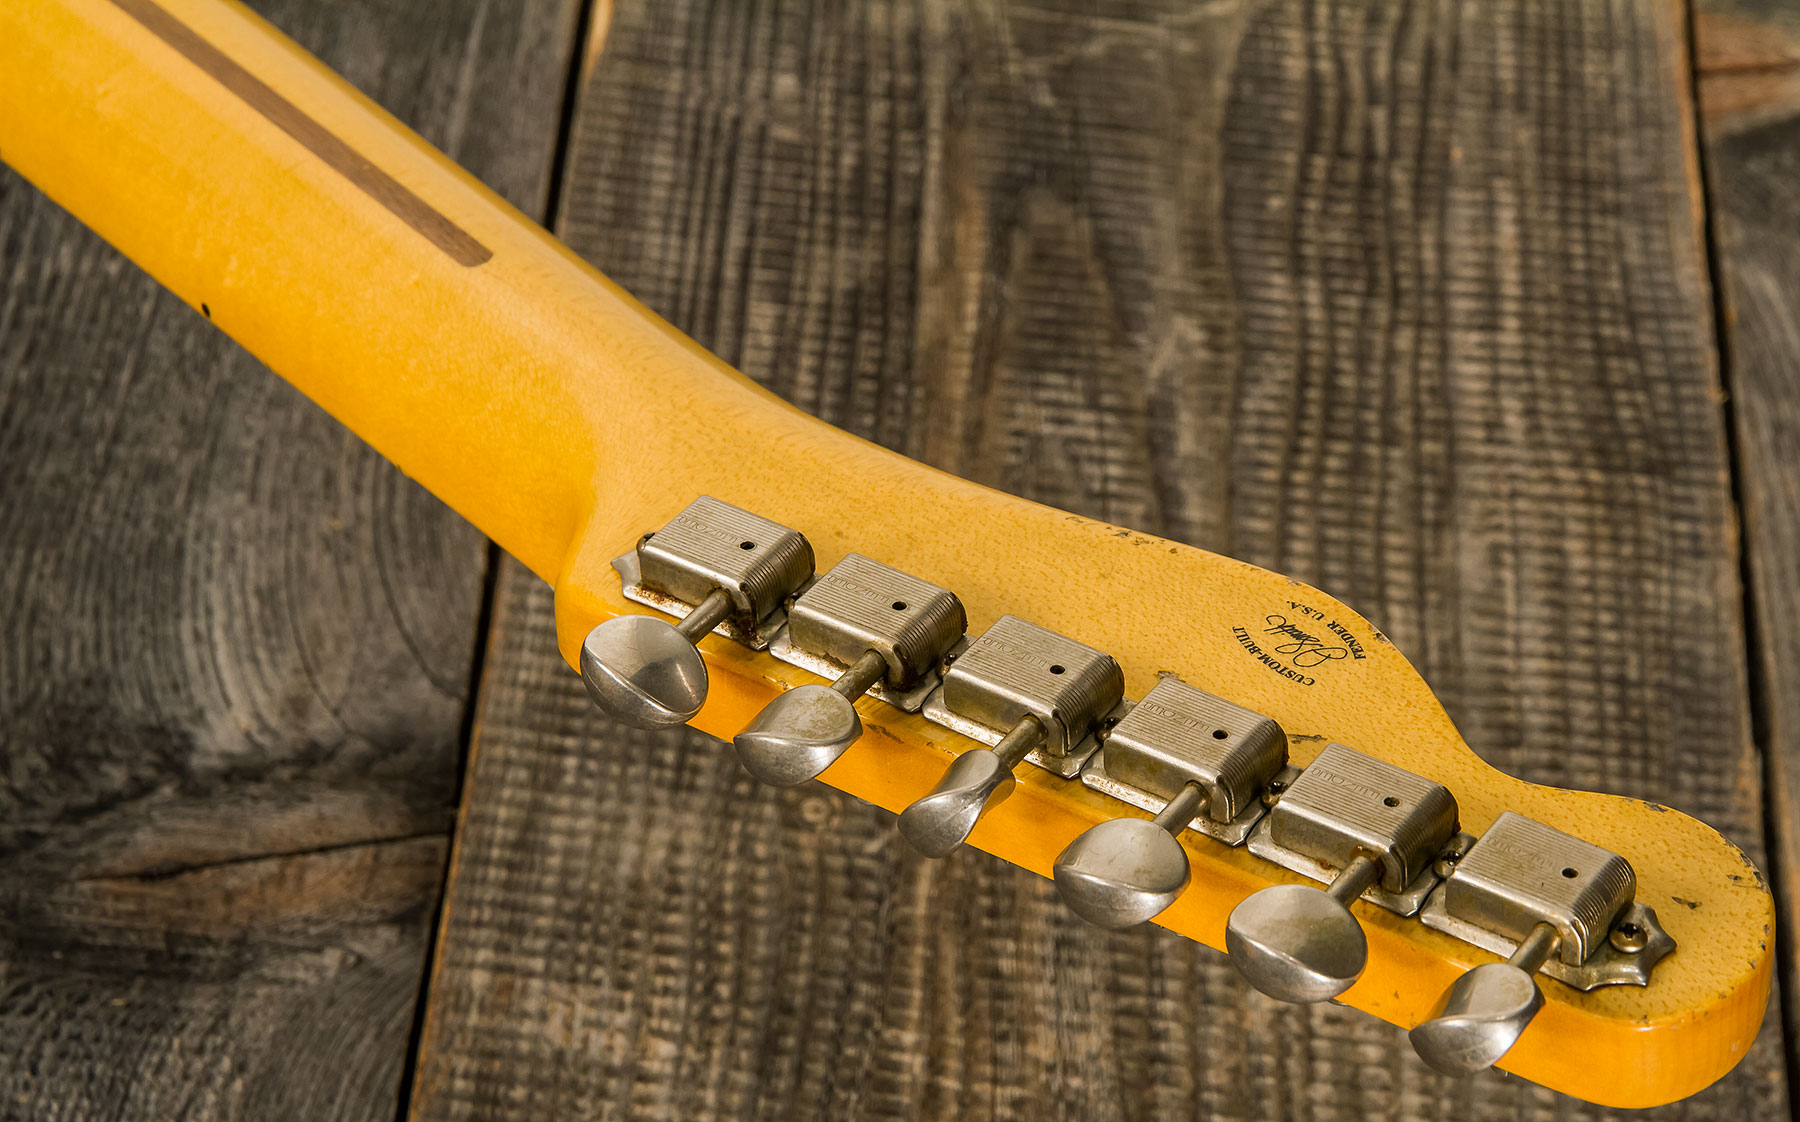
279, 987
1748, 59
1409, 301
236, 658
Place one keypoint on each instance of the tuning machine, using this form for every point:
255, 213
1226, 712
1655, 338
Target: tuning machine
1549, 902
1364, 827
1030, 693
716, 567
1198, 762
872, 629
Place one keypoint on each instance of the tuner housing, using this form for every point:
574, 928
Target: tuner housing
1017, 669
1521, 873
710, 545
1345, 804
861, 605
1173, 738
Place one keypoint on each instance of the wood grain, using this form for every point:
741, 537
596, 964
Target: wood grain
236, 662
1409, 302
1749, 70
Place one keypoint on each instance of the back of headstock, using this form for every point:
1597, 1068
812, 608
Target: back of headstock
1241, 645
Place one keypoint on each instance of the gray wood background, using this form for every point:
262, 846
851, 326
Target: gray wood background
1464, 312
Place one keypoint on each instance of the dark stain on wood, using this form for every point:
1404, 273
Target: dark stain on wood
1747, 57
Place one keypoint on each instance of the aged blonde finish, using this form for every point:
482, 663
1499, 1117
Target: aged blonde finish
564, 419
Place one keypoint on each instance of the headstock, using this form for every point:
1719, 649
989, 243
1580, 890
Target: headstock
1312, 840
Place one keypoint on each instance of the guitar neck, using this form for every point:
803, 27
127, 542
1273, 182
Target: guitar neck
511, 379
443, 327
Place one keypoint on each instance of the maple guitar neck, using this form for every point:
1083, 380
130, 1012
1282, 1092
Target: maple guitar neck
565, 419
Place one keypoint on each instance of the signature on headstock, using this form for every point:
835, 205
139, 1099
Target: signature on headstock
1307, 650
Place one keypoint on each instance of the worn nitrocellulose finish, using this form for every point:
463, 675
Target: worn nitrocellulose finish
521, 391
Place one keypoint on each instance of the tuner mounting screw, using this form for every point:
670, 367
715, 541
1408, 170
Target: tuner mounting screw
1629, 937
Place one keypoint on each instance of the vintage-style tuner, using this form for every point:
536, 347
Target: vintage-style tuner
1198, 762
1364, 827
1208, 771
1549, 902
715, 567
1030, 693
872, 629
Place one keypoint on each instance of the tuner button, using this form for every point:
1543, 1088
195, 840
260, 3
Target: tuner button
1478, 1019
1298, 943
798, 735
1482, 1014
1121, 873
646, 672
805, 730
937, 824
